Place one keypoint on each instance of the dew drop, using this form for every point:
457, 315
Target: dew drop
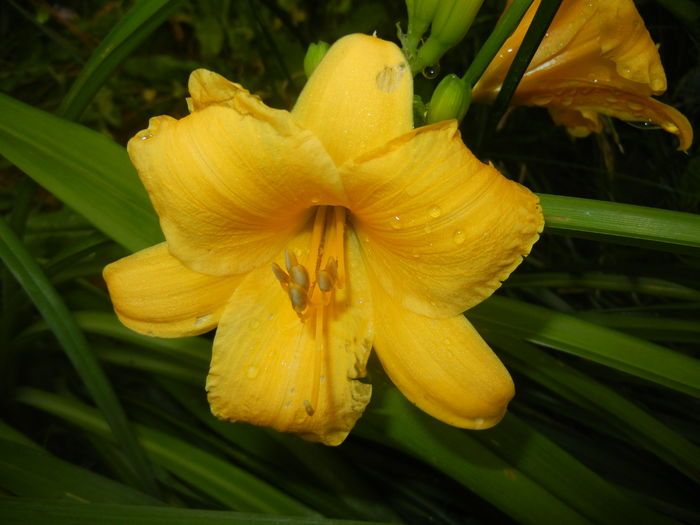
643, 125
254, 323
435, 212
542, 101
252, 372
430, 72
396, 222
634, 106
459, 237
146, 136
478, 422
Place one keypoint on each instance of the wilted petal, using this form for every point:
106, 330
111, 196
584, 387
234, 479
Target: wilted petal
267, 364
232, 181
359, 97
155, 294
439, 228
443, 366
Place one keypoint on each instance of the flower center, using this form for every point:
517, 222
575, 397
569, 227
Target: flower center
311, 286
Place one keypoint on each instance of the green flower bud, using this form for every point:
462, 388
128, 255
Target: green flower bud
450, 100
451, 22
314, 55
420, 15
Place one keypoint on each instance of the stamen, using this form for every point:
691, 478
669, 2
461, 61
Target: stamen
299, 298
327, 277
300, 275
281, 275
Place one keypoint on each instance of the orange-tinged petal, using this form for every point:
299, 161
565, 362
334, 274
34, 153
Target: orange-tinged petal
443, 366
359, 97
597, 57
439, 228
154, 294
590, 102
232, 181
270, 369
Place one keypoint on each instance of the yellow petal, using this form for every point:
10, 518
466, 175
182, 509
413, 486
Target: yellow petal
597, 57
439, 228
443, 366
359, 97
578, 109
154, 294
233, 180
270, 369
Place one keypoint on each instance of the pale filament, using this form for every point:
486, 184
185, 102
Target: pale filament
311, 299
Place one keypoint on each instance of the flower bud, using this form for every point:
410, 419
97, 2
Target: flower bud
314, 55
420, 15
450, 100
451, 22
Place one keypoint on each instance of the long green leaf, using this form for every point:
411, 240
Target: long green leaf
584, 339
62, 324
21, 511
139, 22
23, 471
86, 170
612, 221
226, 483
618, 413
512, 466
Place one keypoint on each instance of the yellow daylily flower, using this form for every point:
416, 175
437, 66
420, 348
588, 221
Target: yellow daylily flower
309, 237
597, 58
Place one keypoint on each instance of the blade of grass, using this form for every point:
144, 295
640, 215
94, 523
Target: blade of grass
512, 466
59, 319
23, 472
21, 511
575, 336
86, 170
226, 483
623, 223
605, 281
615, 411
139, 22
540, 22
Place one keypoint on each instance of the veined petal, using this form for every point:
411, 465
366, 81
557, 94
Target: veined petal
359, 97
443, 366
439, 228
232, 181
270, 369
154, 294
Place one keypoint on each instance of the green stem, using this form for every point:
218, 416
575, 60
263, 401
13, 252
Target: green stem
505, 27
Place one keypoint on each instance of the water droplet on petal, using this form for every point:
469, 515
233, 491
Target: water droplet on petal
459, 237
254, 323
145, 136
435, 212
252, 372
430, 72
396, 222
634, 106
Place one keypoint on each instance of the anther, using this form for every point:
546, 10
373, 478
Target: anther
298, 297
290, 260
299, 275
327, 277
280, 274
